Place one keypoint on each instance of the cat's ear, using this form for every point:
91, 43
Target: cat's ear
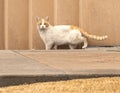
37, 18
47, 18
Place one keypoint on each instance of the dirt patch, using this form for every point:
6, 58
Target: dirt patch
94, 85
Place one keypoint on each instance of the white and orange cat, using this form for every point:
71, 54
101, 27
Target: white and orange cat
63, 34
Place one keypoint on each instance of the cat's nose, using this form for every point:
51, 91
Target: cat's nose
43, 26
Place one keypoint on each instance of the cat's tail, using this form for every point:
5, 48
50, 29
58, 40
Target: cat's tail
89, 35
93, 36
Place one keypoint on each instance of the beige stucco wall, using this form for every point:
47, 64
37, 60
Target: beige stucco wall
67, 12
101, 17
18, 24
1, 24
18, 20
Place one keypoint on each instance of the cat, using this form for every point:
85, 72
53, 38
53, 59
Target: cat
63, 34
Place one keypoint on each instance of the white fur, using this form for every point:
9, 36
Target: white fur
61, 34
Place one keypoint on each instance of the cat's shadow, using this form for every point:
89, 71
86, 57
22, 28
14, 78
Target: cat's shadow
65, 46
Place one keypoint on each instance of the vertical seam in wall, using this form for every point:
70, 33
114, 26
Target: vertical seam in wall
30, 24
6, 24
55, 12
80, 13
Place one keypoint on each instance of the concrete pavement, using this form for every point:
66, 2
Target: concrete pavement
30, 66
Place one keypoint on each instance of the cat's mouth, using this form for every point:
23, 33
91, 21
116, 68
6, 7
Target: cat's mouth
42, 28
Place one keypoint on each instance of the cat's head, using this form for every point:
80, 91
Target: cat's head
42, 24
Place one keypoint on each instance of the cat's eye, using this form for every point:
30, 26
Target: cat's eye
40, 24
46, 24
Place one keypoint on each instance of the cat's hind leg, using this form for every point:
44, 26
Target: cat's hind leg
85, 42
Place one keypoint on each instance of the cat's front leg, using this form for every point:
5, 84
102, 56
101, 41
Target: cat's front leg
48, 46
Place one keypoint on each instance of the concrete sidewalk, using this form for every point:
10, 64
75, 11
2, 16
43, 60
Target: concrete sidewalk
19, 67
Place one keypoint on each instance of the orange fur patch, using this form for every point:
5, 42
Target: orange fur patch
74, 27
80, 29
77, 28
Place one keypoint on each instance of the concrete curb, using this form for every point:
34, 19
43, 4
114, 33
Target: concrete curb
19, 80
